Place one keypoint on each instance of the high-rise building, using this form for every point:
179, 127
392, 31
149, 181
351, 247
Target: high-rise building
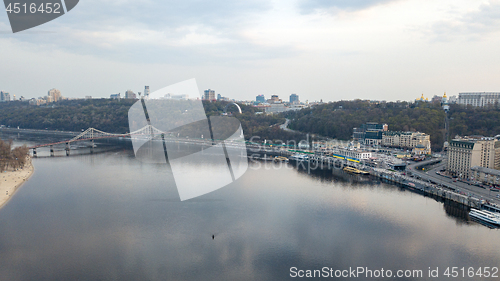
209, 95
370, 133
294, 98
4, 96
55, 95
146, 92
465, 153
129, 94
260, 99
479, 99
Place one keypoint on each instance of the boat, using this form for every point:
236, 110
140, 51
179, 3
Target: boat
485, 216
354, 171
300, 157
280, 159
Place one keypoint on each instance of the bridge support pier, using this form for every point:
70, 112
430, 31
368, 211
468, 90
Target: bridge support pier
67, 149
92, 148
51, 150
34, 153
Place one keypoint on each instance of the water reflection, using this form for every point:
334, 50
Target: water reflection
109, 216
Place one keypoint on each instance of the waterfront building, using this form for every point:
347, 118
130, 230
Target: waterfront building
479, 99
55, 95
485, 175
407, 140
465, 153
209, 95
370, 133
354, 153
294, 98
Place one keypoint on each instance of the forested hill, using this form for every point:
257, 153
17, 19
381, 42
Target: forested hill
112, 116
337, 119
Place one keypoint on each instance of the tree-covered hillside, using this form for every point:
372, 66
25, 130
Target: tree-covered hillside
112, 116
337, 119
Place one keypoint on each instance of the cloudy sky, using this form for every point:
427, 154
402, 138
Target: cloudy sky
319, 49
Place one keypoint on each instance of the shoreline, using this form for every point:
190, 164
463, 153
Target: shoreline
10, 181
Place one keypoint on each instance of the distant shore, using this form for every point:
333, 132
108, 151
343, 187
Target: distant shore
10, 181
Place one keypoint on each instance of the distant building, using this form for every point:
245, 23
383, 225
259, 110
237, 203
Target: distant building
276, 108
130, 95
260, 99
209, 95
436, 99
88, 97
4, 96
55, 95
274, 99
422, 99
176, 97
407, 140
115, 96
370, 133
453, 100
146, 92
465, 153
294, 98
479, 99
355, 153
445, 103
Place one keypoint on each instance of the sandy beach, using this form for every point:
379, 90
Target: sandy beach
10, 181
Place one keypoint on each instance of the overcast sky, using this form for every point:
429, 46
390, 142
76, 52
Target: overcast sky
319, 49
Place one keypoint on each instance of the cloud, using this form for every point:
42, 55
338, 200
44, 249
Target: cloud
156, 31
311, 6
470, 26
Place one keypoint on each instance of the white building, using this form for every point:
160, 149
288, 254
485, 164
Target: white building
407, 140
479, 99
355, 153
465, 153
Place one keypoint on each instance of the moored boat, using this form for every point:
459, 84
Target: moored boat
485, 216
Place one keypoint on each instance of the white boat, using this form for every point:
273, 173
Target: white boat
485, 216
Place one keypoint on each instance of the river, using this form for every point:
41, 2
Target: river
108, 216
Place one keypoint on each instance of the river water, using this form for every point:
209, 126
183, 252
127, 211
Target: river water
108, 216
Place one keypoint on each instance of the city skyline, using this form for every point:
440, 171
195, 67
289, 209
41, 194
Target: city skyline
384, 50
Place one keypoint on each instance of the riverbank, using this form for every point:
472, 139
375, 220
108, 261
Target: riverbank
10, 181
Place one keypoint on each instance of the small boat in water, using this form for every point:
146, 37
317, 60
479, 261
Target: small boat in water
485, 216
354, 171
280, 159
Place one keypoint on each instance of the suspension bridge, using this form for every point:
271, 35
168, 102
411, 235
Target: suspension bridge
92, 134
